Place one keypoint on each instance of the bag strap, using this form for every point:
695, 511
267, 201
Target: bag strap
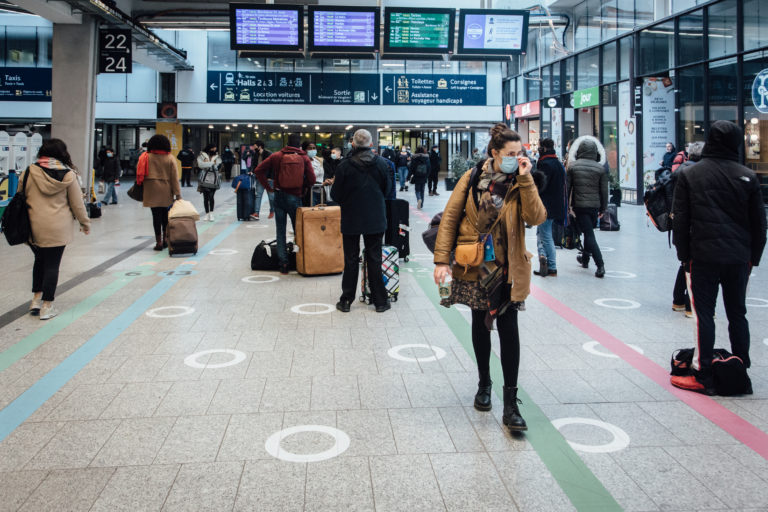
24, 182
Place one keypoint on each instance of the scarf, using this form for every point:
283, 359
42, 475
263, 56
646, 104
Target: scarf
142, 168
52, 163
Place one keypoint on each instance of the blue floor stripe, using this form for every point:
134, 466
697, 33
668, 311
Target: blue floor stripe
17, 412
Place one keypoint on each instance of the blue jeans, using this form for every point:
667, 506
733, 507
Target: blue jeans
402, 172
546, 243
259, 194
285, 206
111, 192
419, 191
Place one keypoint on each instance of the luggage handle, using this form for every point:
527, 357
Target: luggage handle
323, 197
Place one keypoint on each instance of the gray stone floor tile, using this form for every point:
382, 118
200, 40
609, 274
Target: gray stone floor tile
257, 340
618, 483
137, 400
469, 481
613, 386
685, 423
246, 435
491, 431
430, 390
223, 339
529, 481
460, 429
187, 398
335, 392
420, 431
237, 396
286, 394
234, 371
99, 370
23, 443
369, 431
205, 487
136, 488
642, 428
193, 439
568, 387
16, 487
68, 490
272, 486
179, 343
405, 483
354, 362
139, 368
290, 337
86, 402
135, 442
332, 337
312, 363
339, 484
389, 366
270, 364
175, 369
307, 442
75, 445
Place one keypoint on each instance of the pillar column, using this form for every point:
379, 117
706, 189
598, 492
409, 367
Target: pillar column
74, 91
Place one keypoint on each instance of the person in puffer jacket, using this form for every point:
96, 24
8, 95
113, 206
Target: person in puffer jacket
588, 193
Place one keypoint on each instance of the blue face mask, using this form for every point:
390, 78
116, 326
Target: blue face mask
334, 156
509, 164
312, 153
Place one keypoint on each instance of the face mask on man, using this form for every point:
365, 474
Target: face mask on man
110, 154
335, 156
390, 146
509, 164
312, 153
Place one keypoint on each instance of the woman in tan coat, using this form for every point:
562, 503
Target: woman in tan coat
158, 173
53, 197
491, 204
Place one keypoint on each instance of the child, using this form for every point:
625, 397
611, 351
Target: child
242, 186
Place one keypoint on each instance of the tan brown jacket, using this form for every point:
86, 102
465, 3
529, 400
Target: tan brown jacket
529, 209
161, 182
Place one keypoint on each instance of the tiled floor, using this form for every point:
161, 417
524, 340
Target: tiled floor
108, 408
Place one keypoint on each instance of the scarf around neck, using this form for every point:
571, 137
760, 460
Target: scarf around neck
52, 163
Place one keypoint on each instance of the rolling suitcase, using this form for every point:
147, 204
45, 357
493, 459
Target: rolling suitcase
610, 219
319, 240
398, 230
390, 273
182, 236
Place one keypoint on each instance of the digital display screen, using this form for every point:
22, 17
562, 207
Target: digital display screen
485, 31
420, 30
345, 29
260, 28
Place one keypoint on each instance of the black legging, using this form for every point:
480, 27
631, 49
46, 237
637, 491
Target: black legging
45, 272
208, 199
509, 337
159, 219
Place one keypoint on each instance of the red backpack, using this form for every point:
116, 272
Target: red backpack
291, 171
679, 160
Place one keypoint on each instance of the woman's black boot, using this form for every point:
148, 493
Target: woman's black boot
512, 418
483, 396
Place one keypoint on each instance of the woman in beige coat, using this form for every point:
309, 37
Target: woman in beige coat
53, 197
160, 179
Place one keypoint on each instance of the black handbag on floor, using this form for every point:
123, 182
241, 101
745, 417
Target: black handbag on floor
136, 192
15, 222
94, 210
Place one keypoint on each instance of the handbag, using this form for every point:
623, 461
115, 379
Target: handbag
470, 249
15, 223
136, 192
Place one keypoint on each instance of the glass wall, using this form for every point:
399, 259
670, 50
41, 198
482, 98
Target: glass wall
657, 49
755, 24
589, 69
24, 46
721, 31
610, 62
756, 115
691, 35
723, 101
690, 83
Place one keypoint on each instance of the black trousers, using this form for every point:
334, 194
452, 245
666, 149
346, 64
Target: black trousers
680, 292
159, 219
509, 336
586, 218
228, 171
432, 181
705, 280
186, 175
243, 204
372, 254
208, 202
45, 271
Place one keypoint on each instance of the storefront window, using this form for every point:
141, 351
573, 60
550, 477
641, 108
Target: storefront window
722, 29
569, 125
625, 56
2, 46
657, 49
569, 76
255, 64
723, 103
520, 96
609, 96
756, 116
681, 5
303, 65
691, 97
609, 63
755, 24
21, 46
589, 69
691, 35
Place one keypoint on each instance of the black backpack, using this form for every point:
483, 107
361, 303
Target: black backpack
729, 372
421, 171
658, 200
15, 222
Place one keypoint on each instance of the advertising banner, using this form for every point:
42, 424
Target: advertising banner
627, 139
435, 90
25, 84
175, 134
557, 129
586, 98
658, 123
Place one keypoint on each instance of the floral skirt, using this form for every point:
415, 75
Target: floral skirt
471, 294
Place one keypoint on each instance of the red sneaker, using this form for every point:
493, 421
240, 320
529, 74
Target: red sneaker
271, 215
255, 216
690, 383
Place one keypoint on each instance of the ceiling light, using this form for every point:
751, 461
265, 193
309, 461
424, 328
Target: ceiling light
317, 127
467, 127
407, 129
447, 127
255, 127
210, 127
303, 126
226, 128
386, 127
234, 124
418, 126
250, 125
434, 131
348, 127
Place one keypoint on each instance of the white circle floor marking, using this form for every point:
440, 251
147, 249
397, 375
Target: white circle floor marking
765, 341
607, 249
420, 257
223, 252
260, 279
591, 347
619, 442
620, 274
340, 446
300, 308
761, 303
627, 304
160, 312
394, 353
239, 357
257, 226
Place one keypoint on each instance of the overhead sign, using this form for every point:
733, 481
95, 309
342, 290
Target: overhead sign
295, 88
25, 84
266, 27
418, 30
531, 109
553, 102
586, 98
760, 91
434, 89
336, 28
497, 31
115, 51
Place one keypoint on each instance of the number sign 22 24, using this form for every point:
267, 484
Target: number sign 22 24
115, 51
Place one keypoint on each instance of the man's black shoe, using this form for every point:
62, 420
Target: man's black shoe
284, 268
343, 306
384, 307
600, 272
583, 259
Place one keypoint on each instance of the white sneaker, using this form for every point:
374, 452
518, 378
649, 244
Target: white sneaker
211, 217
207, 217
34, 307
48, 312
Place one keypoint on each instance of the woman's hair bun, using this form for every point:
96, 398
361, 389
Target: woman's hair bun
498, 129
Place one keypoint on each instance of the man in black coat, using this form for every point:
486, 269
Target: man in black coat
434, 170
552, 194
187, 158
360, 186
719, 233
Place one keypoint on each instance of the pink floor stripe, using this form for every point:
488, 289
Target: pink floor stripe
721, 416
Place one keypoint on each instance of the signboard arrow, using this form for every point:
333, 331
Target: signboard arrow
214, 87
388, 89
374, 96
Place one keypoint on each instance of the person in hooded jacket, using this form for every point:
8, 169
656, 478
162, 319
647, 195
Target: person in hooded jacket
669, 157
588, 193
227, 162
434, 169
53, 198
418, 173
187, 158
719, 232
552, 194
361, 184
110, 173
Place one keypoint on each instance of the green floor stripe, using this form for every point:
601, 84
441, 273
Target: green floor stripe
582, 487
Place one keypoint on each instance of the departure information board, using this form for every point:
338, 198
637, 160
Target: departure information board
270, 28
493, 31
344, 29
419, 30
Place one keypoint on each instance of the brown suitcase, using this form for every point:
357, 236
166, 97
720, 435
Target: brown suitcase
318, 236
182, 236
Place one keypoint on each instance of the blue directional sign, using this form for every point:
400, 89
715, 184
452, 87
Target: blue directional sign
447, 90
345, 89
25, 84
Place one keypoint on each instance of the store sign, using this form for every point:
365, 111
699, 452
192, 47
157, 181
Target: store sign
446, 90
586, 98
658, 123
115, 49
627, 140
508, 112
295, 88
760, 91
25, 84
638, 101
552, 102
530, 109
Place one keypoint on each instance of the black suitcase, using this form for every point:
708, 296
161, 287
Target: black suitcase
398, 227
610, 219
265, 256
94, 210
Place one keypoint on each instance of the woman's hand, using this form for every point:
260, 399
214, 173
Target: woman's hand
85, 229
441, 271
524, 164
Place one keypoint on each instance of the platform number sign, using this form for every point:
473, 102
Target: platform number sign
115, 51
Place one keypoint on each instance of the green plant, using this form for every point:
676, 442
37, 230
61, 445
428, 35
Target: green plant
458, 167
